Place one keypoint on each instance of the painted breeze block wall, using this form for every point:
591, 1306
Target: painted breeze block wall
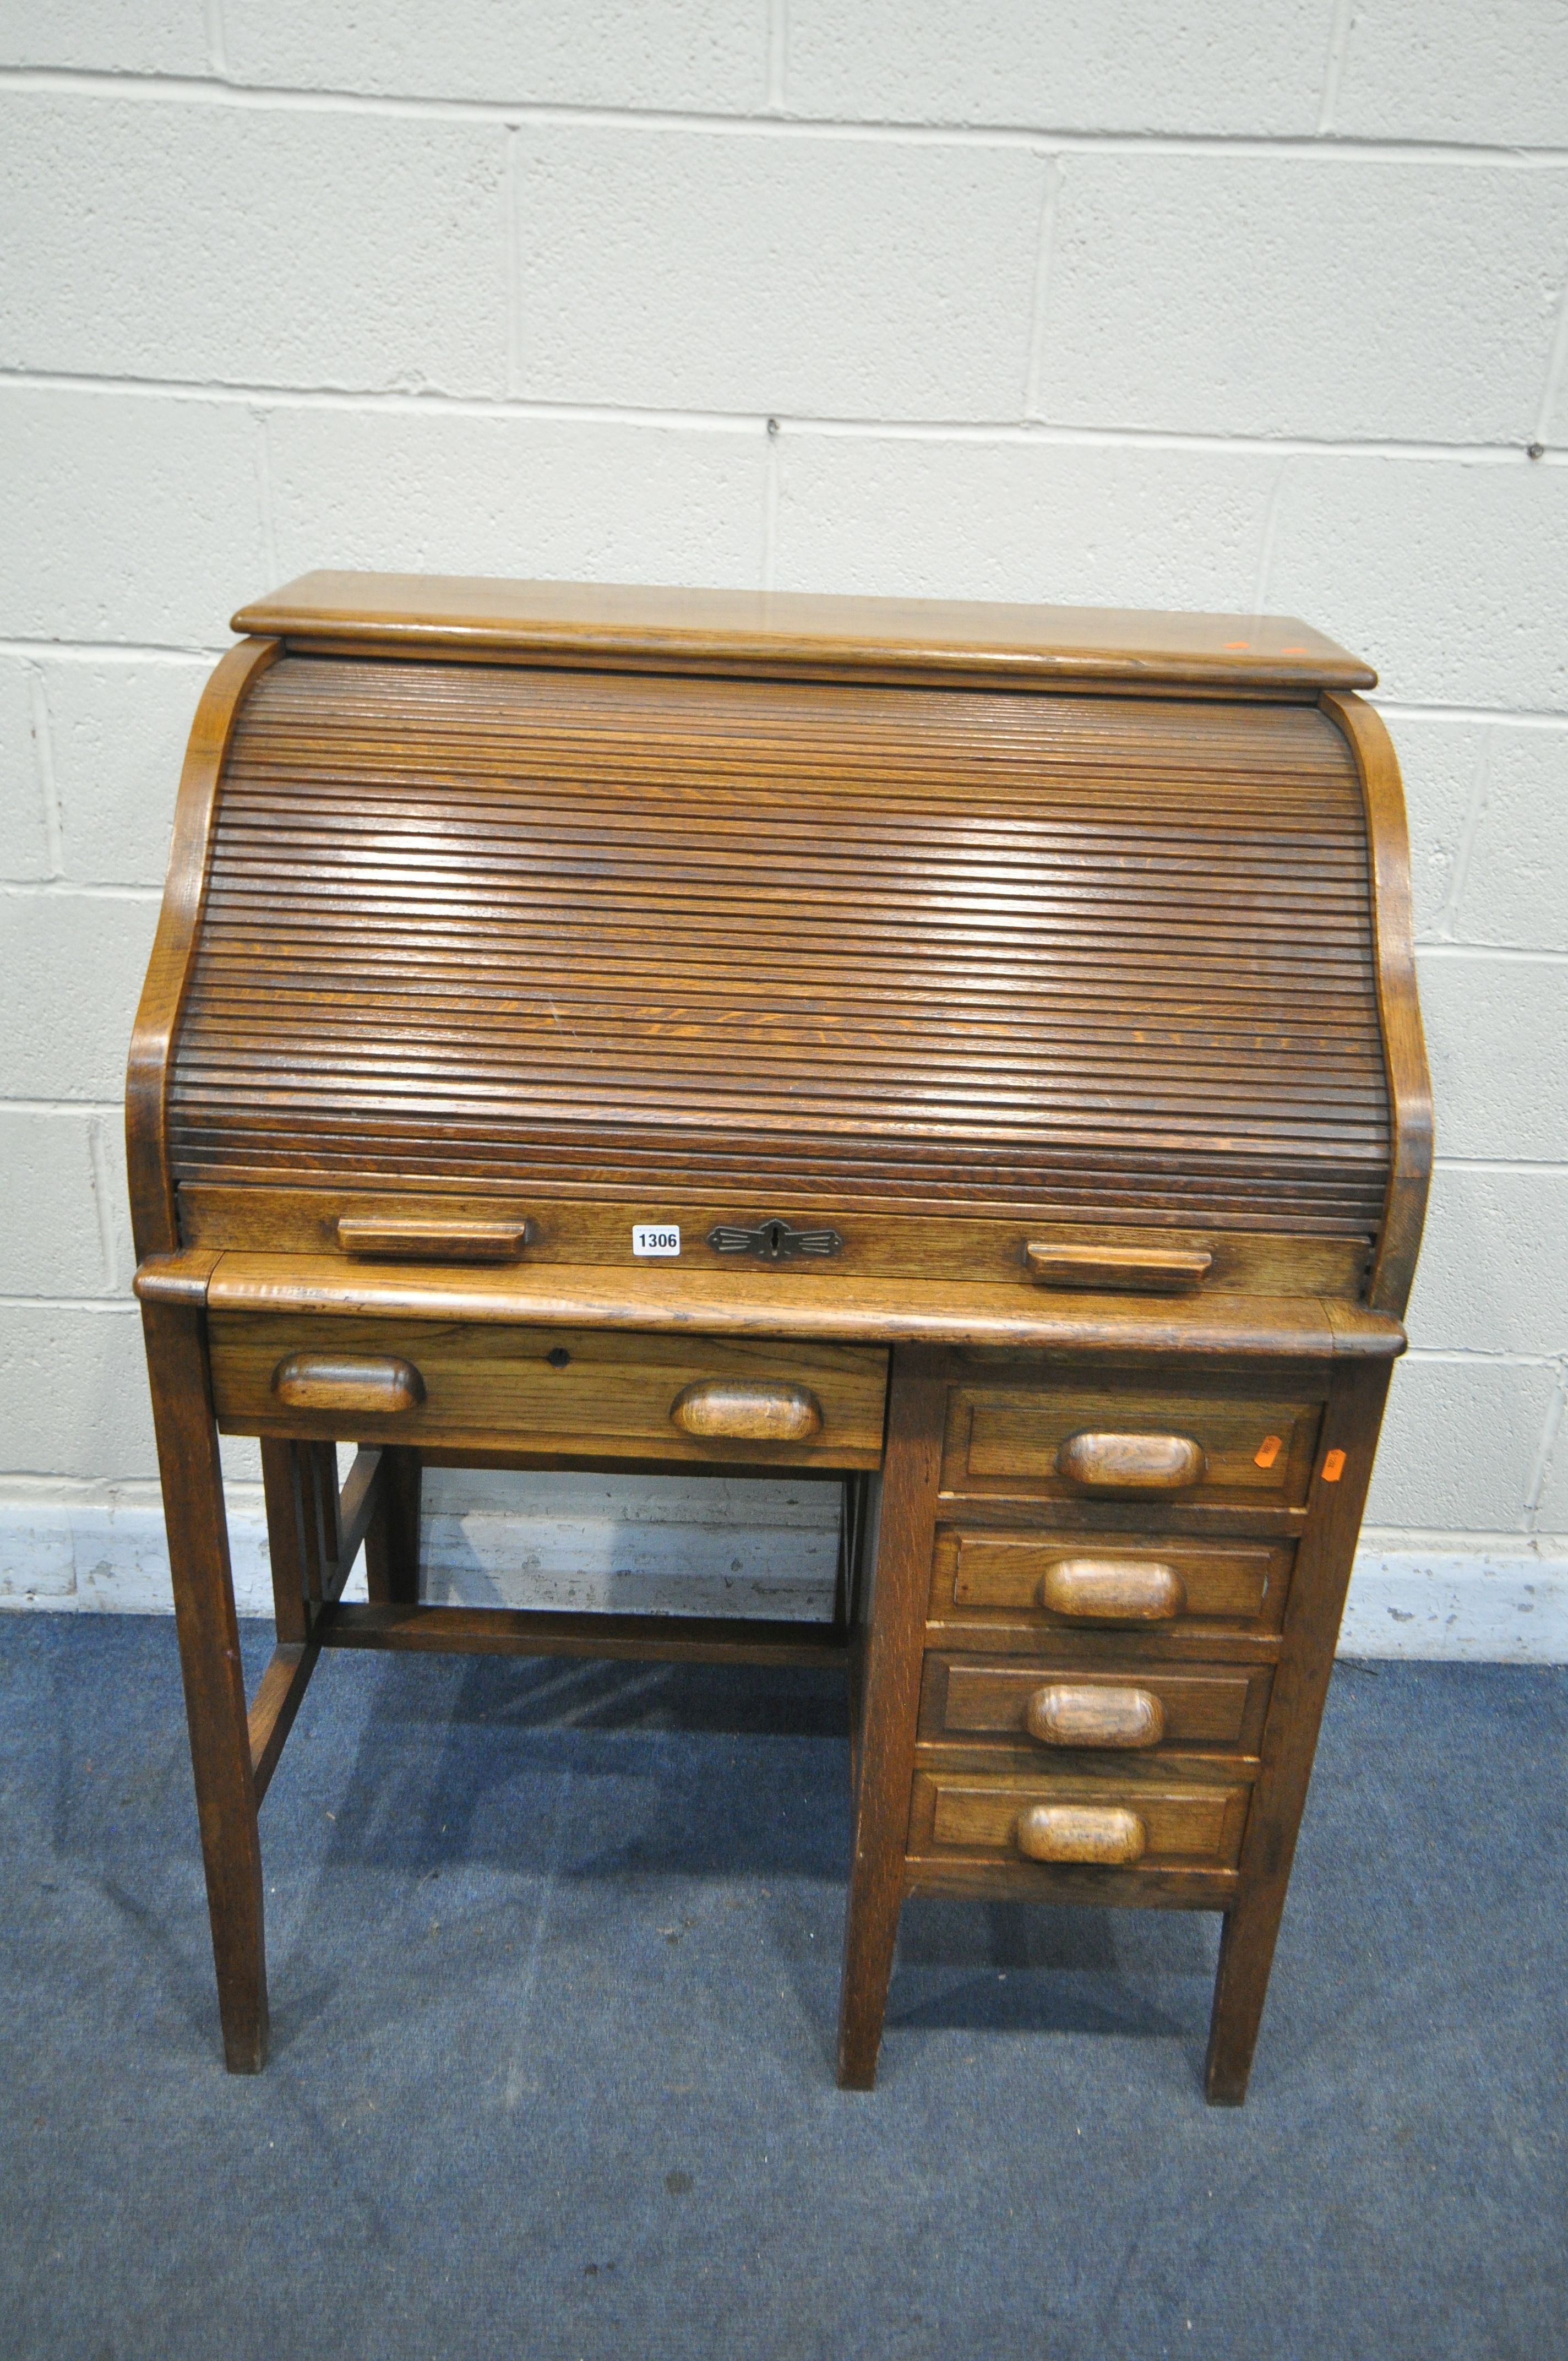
1091, 300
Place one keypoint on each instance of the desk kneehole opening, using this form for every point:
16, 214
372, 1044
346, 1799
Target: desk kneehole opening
380, 1386
1112, 1590
1132, 1462
1091, 1713
1102, 1836
725, 1409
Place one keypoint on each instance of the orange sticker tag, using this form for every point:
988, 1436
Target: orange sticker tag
1333, 1467
1268, 1451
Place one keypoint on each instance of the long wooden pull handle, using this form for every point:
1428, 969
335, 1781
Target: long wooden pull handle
1086, 1713
339, 1381
417, 1239
1106, 1835
1132, 1462
1141, 1271
1113, 1589
724, 1408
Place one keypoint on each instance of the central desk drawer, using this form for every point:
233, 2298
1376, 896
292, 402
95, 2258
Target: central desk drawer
574, 1391
1205, 1444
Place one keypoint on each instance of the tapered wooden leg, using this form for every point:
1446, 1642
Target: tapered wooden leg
1241, 1987
391, 1544
1318, 1587
214, 1676
889, 1697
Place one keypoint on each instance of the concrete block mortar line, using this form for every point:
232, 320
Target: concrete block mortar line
110, 651
1266, 539
1333, 65
1484, 1540
43, 761
197, 89
125, 1303
1551, 1432
1507, 953
434, 402
66, 889
1394, 709
1034, 359
1557, 363
1480, 782
778, 56
262, 457
1499, 1164
772, 464
1465, 1356
104, 1191
512, 188
108, 1108
217, 41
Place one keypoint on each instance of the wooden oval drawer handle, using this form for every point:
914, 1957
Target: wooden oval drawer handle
721, 1407
1087, 1713
1132, 1462
338, 1382
1104, 1834
1113, 1589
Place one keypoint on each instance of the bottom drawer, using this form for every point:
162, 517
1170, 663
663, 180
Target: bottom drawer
1082, 1823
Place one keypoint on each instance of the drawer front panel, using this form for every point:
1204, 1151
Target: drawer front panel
1237, 1585
1185, 1445
1209, 1707
549, 1389
1177, 1826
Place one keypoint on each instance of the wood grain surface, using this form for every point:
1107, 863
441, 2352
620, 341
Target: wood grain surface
1200, 1439
578, 1232
149, 1067
1120, 1581
909, 950
1186, 1825
1057, 1703
1404, 1044
564, 1388
772, 631
1054, 961
754, 1301
1108, 1834
1131, 1463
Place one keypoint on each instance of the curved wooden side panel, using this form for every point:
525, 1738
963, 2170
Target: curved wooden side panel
153, 1215
1404, 1047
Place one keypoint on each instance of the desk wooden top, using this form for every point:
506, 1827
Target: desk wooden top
774, 1303
628, 624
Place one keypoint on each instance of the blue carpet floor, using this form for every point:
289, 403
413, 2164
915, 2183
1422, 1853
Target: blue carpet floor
554, 1955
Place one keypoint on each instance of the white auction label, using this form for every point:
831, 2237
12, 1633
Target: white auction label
655, 1238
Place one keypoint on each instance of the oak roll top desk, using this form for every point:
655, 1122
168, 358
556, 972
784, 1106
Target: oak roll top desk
968, 1052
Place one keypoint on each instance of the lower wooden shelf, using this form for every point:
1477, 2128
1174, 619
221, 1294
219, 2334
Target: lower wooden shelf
541, 1631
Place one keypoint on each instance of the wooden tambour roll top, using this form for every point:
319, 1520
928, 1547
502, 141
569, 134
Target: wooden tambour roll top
988, 946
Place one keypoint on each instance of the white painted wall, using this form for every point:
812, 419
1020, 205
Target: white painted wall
1085, 300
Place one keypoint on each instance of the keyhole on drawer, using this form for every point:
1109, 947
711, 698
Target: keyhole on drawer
559, 1357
